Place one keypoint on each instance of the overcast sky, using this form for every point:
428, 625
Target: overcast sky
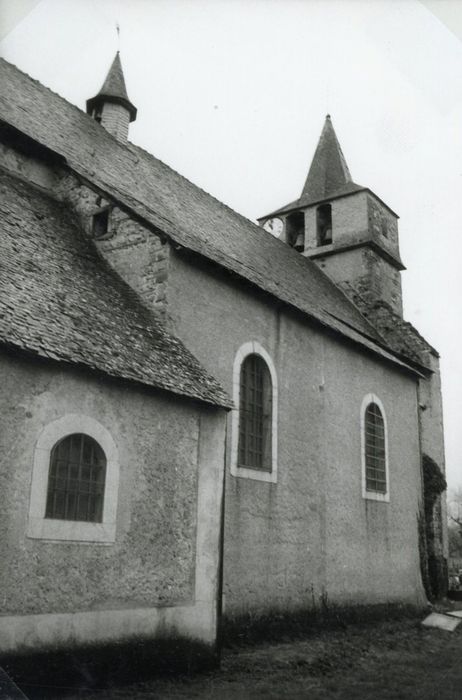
233, 95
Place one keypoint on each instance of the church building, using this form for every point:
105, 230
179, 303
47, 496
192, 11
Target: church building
202, 418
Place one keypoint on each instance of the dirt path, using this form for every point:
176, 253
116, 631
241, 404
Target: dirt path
383, 661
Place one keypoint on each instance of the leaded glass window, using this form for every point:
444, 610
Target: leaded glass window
255, 415
76, 480
375, 458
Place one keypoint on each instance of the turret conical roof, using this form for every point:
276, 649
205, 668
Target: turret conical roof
113, 90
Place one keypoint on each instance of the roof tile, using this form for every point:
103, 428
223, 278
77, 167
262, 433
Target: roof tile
191, 217
59, 299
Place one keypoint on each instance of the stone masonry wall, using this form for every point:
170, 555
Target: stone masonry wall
363, 271
137, 254
30, 169
383, 225
139, 257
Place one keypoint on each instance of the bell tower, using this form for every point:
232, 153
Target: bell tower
345, 228
111, 106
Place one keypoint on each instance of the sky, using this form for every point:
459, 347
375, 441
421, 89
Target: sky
233, 95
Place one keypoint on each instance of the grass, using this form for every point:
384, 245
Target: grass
383, 661
381, 653
321, 616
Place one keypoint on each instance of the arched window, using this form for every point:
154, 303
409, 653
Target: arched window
76, 480
255, 414
374, 441
254, 419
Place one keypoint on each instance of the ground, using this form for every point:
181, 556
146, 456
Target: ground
399, 659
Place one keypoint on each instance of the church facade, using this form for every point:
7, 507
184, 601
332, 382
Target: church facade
250, 412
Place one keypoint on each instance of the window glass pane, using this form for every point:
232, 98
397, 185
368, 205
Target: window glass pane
76, 480
374, 429
255, 414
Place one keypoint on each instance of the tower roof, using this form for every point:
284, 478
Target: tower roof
328, 172
113, 90
328, 176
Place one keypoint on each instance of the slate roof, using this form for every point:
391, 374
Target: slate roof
60, 300
400, 335
113, 90
189, 216
328, 176
328, 172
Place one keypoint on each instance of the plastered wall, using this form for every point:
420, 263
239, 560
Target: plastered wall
165, 556
312, 533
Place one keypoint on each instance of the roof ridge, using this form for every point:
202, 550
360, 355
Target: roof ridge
71, 104
130, 144
48, 89
153, 192
301, 259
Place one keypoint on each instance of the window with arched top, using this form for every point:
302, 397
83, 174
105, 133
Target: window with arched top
374, 449
76, 480
254, 419
255, 414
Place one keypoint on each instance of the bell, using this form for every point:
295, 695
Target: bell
300, 242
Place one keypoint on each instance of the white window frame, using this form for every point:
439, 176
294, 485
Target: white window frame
253, 348
374, 495
39, 527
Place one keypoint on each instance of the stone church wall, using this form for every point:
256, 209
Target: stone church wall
363, 272
311, 534
160, 573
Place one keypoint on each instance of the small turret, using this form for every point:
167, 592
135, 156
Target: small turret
111, 106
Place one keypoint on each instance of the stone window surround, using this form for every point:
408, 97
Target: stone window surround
39, 527
373, 495
253, 348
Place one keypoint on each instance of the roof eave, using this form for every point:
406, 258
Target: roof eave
19, 349
299, 204
326, 251
100, 98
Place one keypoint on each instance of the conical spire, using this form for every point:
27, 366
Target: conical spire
329, 172
113, 90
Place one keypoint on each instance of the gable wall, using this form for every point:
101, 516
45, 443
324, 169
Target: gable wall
312, 533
